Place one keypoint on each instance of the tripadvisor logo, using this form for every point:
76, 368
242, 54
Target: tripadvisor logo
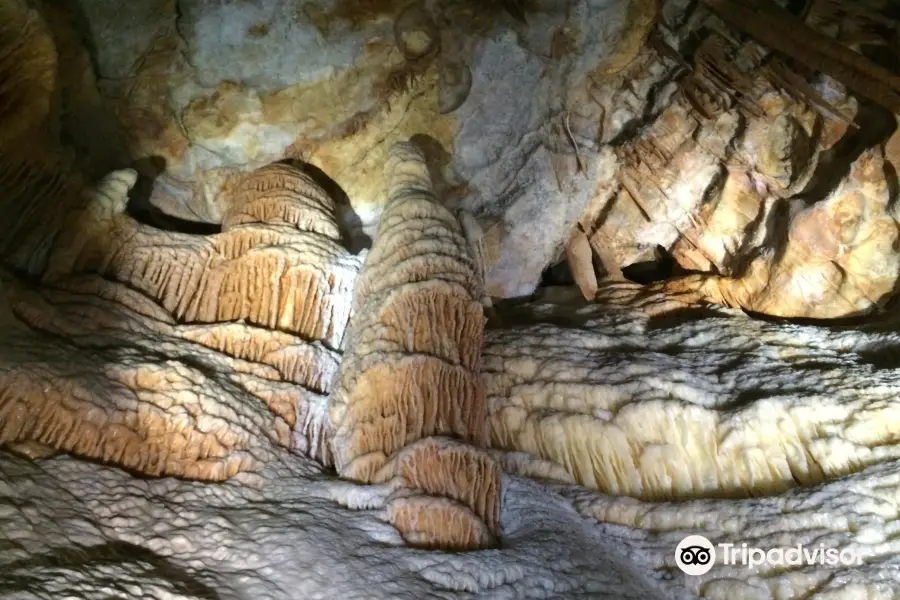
696, 555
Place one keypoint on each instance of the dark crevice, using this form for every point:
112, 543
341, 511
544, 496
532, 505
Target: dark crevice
514, 312
150, 215
796, 7
843, 324
891, 10
776, 225
649, 271
875, 124
883, 358
81, 27
693, 41
143, 211
148, 564
557, 274
893, 185
746, 254
652, 271
882, 55
675, 318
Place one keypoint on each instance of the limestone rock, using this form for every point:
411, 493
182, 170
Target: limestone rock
741, 177
410, 380
838, 257
259, 310
283, 532
209, 89
635, 409
216, 377
650, 124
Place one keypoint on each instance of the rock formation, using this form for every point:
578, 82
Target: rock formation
409, 394
257, 308
210, 389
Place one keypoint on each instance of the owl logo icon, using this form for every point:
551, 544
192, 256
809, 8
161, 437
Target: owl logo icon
695, 555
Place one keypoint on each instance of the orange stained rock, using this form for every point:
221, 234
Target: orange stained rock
282, 371
839, 258
289, 273
456, 506
410, 375
140, 416
146, 368
279, 194
146, 394
580, 256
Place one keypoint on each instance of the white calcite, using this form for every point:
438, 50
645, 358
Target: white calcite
72, 528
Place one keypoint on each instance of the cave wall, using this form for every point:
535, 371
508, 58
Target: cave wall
184, 322
650, 129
